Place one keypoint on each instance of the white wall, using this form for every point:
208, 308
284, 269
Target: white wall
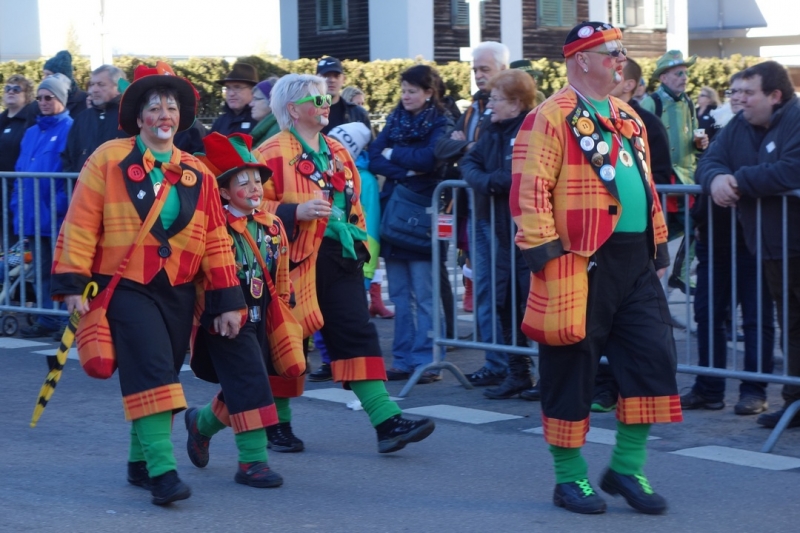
598, 11
289, 28
400, 29
511, 27
17, 41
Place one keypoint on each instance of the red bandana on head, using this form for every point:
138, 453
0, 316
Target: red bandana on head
588, 35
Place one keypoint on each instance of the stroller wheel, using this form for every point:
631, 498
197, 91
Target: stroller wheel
10, 325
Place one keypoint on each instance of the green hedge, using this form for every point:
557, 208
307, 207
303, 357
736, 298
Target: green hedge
378, 79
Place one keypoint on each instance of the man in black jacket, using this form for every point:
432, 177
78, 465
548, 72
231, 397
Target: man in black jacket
342, 112
755, 159
238, 90
98, 124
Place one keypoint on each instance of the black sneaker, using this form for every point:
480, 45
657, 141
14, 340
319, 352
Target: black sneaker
36, 331
395, 433
196, 443
750, 405
137, 474
534, 394
485, 378
770, 420
257, 474
280, 438
168, 488
510, 387
691, 400
603, 402
636, 490
578, 497
323, 373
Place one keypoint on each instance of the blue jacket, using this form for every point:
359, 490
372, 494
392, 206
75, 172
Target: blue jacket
40, 151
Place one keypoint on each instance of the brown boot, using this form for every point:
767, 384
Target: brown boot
467, 302
376, 307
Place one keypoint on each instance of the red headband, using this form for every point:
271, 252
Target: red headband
589, 37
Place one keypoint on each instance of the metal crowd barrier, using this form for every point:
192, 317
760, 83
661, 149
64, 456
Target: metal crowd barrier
444, 229
21, 263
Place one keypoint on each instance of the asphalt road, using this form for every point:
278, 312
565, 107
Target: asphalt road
68, 473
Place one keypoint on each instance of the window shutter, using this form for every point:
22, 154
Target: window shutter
659, 14
617, 13
569, 13
337, 13
558, 13
459, 13
331, 15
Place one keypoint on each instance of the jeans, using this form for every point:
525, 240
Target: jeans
411, 290
712, 388
481, 258
773, 271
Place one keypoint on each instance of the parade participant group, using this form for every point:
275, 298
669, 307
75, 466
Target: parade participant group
193, 248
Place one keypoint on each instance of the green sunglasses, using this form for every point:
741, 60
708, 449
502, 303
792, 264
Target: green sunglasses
318, 99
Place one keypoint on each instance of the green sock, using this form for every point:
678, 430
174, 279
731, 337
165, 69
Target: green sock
252, 446
570, 464
284, 410
630, 453
207, 422
375, 400
135, 452
154, 434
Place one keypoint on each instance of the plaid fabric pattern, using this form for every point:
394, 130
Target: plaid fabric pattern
153, 401
565, 433
254, 419
649, 410
287, 387
102, 223
556, 195
220, 410
358, 369
289, 186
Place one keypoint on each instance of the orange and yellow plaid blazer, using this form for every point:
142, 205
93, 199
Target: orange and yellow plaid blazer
282, 193
110, 202
560, 204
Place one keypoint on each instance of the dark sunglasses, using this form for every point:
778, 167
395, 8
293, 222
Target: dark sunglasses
613, 53
45, 97
13, 89
319, 100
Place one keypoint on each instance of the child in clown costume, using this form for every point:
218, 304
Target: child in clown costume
240, 365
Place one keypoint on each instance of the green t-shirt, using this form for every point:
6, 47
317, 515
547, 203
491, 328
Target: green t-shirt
172, 205
633, 215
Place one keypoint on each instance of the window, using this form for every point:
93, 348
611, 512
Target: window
331, 15
459, 14
639, 14
557, 13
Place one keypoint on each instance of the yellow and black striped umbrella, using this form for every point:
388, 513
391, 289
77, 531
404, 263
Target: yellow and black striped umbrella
57, 366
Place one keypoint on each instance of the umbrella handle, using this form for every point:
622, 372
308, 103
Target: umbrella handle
90, 291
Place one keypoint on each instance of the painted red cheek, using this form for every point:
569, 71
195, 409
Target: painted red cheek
241, 193
608, 62
311, 111
150, 121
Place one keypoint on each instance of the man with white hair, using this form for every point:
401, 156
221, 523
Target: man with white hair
488, 58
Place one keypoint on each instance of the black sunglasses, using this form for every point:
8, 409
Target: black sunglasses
13, 89
45, 97
613, 53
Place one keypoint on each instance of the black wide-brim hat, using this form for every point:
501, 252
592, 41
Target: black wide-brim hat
146, 78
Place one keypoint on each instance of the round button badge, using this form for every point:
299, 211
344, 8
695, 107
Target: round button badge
607, 172
136, 173
587, 143
602, 147
188, 178
585, 126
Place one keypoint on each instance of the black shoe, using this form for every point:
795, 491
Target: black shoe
168, 488
510, 387
770, 420
393, 374
485, 378
36, 331
532, 395
636, 491
750, 405
137, 474
280, 438
691, 400
323, 373
257, 475
395, 433
578, 497
196, 443
429, 377
603, 402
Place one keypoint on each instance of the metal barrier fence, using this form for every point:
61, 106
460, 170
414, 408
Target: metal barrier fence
444, 230
27, 255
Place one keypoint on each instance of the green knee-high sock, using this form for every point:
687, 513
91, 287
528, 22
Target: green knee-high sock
135, 452
207, 422
375, 400
630, 453
154, 434
284, 410
252, 446
569, 463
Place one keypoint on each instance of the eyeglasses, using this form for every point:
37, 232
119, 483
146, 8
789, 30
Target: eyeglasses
235, 88
45, 97
496, 99
613, 53
731, 92
318, 99
705, 94
13, 89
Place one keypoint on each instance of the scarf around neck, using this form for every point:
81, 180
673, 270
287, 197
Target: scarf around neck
405, 128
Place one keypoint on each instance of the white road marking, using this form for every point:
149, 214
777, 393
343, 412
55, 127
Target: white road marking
723, 454
460, 414
335, 394
11, 343
595, 435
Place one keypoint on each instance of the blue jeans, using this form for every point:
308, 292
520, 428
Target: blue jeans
411, 290
481, 258
711, 388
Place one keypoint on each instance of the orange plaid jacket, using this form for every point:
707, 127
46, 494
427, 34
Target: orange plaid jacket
113, 197
560, 204
282, 193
